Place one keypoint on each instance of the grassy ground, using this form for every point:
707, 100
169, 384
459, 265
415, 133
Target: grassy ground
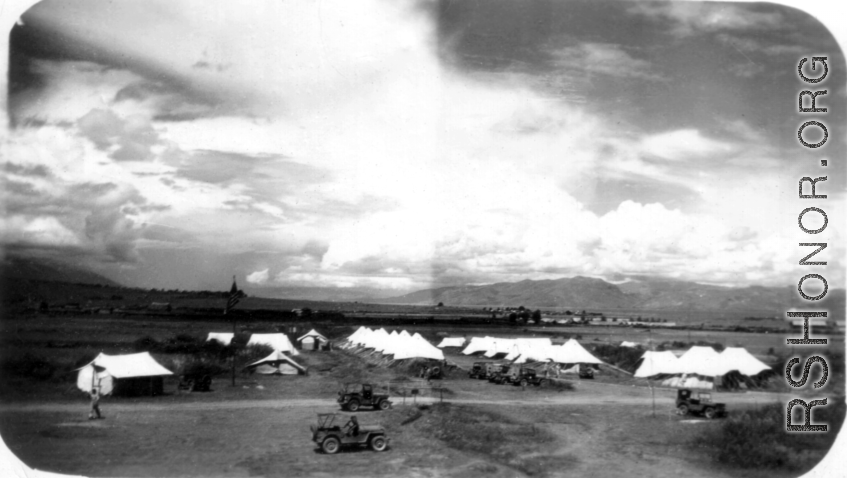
260, 427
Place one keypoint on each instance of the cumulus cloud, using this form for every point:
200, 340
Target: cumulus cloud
684, 144
258, 277
607, 59
356, 159
126, 139
687, 18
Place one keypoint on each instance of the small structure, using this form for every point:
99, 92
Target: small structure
159, 306
133, 374
225, 338
277, 363
313, 341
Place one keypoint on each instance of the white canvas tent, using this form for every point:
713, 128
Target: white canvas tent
657, 363
106, 371
277, 363
12, 466
400, 346
279, 342
225, 338
702, 367
312, 340
452, 342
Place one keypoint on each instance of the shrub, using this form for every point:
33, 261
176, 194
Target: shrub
623, 357
145, 344
758, 439
29, 365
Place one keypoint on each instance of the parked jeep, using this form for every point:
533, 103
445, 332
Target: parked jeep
353, 396
501, 374
701, 405
330, 435
527, 376
586, 371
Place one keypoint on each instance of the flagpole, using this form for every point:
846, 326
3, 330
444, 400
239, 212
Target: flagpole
234, 294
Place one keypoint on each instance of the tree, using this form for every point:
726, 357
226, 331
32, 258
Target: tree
440, 304
513, 317
536, 316
521, 308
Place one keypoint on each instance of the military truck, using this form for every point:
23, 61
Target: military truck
478, 371
353, 396
702, 404
331, 436
526, 376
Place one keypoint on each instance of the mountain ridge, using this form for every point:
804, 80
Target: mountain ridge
640, 292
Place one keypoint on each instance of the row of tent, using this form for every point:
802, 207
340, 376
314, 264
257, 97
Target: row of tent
400, 346
524, 350
699, 367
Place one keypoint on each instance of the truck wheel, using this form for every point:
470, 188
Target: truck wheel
330, 445
709, 413
353, 405
524, 383
378, 443
383, 405
682, 409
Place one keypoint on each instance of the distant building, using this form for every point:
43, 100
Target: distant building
159, 306
815, 324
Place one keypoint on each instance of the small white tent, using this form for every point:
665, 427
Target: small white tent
129, 374
279, 342
277, 363
312, 340
225, 338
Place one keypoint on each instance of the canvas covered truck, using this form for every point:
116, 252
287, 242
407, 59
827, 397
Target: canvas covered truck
526, 376
353, 396
331, 434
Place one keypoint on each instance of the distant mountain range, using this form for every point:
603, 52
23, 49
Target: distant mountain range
576, 293
37, 269
636, 293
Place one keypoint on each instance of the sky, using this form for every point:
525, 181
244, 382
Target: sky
399, 145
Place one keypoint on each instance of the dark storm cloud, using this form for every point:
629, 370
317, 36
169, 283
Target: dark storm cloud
38, 170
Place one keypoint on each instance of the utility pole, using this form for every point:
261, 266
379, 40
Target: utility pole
234, 297
650, 382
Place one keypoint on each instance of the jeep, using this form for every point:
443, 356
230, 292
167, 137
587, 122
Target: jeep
353, 396
331, 436
702, 405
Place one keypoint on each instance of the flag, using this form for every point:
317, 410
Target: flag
234, 296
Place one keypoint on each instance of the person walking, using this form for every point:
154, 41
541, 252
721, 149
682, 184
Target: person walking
95, 404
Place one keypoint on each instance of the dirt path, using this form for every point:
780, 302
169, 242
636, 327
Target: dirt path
619, 399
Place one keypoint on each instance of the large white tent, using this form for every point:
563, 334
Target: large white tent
451, 342
657, 363
699, 367
223, 337
400, 346
279, 342
12, 466
106, 370
277, 363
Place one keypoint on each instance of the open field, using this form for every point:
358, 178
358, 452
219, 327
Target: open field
260, 427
